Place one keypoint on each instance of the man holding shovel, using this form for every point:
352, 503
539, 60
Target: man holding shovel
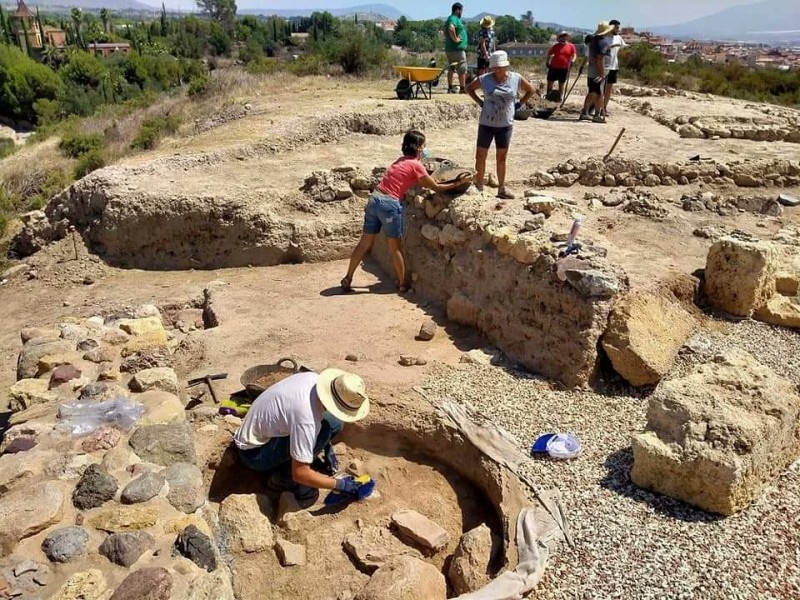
560, 59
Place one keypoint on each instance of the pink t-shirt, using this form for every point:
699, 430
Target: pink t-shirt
404, 173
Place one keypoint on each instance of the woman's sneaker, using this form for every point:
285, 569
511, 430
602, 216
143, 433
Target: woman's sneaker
598, 119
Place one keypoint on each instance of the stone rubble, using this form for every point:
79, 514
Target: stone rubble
420, 530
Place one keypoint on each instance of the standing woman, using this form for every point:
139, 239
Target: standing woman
485, 43
500, 88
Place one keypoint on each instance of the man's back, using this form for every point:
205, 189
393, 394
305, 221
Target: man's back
288, 408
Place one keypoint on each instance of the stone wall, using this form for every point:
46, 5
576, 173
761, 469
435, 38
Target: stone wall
629, 172
507, 285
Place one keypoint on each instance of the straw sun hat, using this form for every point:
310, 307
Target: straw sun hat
604, 28
343, 395
487, 22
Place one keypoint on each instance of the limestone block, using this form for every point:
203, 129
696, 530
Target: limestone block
405, 578
420, 530
245, 520
33, 351
50, 362
645, 332
469, 569
144, 326
84, 585
780, 310
452, 236
161, 407
28, 510
527, 249
504, 239
28, 392
718, 436
740, 276
124, 518
372, 547
153, 340
461, 309
290, 554
30, 333
159, 378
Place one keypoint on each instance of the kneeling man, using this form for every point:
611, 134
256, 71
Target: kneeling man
291, 423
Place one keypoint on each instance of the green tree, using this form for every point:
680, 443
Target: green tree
222, 11
163, 20
23, 81
76, 15
105, 17
5, 28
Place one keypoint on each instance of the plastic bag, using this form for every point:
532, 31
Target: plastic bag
557, 445
82, 418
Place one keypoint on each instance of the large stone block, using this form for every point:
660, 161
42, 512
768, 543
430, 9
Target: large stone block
645, 332
740, 275
781, 310
36, 349
405, 578
29, 392
717, 436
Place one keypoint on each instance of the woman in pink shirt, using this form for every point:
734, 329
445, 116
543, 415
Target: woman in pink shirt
385, 209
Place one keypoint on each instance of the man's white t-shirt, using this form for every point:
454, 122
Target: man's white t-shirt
288, 408
612, 60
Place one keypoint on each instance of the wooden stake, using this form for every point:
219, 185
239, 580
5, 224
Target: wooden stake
619, 137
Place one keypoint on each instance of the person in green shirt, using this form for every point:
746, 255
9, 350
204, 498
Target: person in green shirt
455, 46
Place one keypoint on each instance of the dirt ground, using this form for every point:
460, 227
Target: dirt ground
296, 310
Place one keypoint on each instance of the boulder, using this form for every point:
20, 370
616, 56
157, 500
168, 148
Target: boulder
541, 204
124, 518
452, 236
125, 549
95, 488
27, 511
186, 491
143, 326
405, 578
35, 349
197, 547
102, 438
63, 374
290, 554
143, 488
372, 547
592, 283
65, 544
420, 530
716, 437
153, 583
165, 444
469, 569
159, 378
212, 586
161, 407
645, 331
427, 330
740, 275
84, 585
117, 458
780, 310
26, 393
31, 333
245, 520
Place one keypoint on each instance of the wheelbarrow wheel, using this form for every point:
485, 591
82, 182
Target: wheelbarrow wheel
403, 89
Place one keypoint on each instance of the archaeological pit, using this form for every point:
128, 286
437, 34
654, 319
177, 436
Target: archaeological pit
673, 240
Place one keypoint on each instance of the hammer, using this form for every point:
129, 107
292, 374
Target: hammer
208, 379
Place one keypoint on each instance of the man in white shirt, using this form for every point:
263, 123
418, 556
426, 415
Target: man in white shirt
292, 422
612, 61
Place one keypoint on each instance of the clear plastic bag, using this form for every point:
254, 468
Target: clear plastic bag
82, 418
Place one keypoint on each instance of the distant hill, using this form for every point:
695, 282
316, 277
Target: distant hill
769, 21
365, 10
112, 5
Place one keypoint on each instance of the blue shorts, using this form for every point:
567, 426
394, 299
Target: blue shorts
383, 212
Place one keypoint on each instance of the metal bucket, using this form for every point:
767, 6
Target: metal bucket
257, 379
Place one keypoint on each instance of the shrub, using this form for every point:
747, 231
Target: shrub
308, 64
199, 85
262, 66
88, 162
152, 130
75, 144
355, 51
7, 147
23, 81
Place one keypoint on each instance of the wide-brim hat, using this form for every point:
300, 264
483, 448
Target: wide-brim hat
498, 58
487, 21
343, 395
604, 28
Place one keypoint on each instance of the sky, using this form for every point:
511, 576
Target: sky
579, 13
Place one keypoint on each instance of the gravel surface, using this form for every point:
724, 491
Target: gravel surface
630, 543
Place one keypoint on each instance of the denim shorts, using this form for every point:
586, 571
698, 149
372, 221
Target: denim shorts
383, 212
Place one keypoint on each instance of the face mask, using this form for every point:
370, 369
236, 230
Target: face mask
426, 153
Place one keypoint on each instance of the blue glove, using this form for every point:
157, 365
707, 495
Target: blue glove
331, 460
348, 486
517, 105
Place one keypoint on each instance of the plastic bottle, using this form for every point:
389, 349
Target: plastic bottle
573, 232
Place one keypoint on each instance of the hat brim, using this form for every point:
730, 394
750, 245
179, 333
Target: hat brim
502, 63
487, 22
343, 413
604, 31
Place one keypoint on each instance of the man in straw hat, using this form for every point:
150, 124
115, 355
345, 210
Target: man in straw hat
486, 43
291, 423
599, 48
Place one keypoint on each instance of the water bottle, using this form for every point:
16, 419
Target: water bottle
573, 232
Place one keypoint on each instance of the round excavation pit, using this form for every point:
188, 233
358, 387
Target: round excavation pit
432, 486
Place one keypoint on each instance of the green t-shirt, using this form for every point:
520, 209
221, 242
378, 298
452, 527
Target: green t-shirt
461, 32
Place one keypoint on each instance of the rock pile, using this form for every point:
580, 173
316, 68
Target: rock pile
90, 491
773, 129
341, 183
628, 172
718, 436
